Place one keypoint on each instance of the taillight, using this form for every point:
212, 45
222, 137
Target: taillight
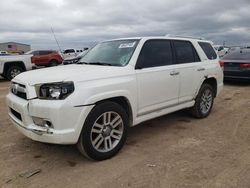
221, 64
245, 65
33, 60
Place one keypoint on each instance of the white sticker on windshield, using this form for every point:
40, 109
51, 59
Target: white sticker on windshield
127, 45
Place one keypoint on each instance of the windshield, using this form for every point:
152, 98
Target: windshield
114, 53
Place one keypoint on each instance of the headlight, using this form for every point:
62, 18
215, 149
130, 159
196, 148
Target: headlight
55, 90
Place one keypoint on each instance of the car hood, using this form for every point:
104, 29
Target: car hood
75, 73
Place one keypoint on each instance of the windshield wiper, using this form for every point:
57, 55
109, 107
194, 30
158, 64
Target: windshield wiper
100, 63
97, 63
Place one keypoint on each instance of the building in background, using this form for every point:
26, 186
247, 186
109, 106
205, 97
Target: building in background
15, 47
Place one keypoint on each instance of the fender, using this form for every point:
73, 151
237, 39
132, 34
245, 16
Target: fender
201, 82
92, 100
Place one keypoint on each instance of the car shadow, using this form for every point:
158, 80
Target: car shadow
237, 83
171, 124
2, 80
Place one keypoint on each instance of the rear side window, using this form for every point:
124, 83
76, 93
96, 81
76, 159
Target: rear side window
185, 52
208, 50
155, 53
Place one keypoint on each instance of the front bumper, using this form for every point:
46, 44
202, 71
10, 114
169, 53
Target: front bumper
66, 119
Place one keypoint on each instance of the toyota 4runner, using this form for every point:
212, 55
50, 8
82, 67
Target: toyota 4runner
117, 84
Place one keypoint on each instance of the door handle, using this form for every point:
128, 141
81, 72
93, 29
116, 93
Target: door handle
201, 69
174, 73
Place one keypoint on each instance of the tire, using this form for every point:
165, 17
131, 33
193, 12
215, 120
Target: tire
13, 71
53, 63
203, 102
99, 139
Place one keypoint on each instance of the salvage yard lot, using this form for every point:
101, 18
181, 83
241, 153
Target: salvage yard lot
175, 150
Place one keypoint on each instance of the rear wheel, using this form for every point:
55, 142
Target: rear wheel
53, 63
203, 102
104, 131
13, 71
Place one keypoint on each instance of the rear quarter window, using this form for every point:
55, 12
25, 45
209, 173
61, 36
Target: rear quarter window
208, 50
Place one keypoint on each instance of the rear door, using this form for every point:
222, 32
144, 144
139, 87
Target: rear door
43, 58
157, 78
189, 67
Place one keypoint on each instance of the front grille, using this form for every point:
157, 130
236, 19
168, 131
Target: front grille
16, 114
18, 90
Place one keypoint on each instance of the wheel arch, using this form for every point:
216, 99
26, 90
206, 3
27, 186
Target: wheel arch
124, 103
13, 63
211, 81
51, 60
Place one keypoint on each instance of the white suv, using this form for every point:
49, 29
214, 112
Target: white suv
117, 84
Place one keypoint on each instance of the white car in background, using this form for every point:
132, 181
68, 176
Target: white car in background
2, 53
71, 53
221, 50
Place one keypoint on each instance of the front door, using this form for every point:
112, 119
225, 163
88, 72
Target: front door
157, 77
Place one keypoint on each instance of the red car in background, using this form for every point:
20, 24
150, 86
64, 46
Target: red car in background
45, 58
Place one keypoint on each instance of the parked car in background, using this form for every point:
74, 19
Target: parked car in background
71, 53
74, 60
2, 53
237, 65
117, 84
221, 50
12, 65
47, 58
235, 48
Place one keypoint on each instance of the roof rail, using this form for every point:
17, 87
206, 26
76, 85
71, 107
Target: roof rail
189, 37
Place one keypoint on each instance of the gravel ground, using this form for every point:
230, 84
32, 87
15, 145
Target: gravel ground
175, 150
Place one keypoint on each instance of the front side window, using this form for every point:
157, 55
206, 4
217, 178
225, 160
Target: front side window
185, 52
155, 53
114, 53
208, 50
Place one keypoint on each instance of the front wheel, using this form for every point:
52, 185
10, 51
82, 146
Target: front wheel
203, 102
104, 132
13, 71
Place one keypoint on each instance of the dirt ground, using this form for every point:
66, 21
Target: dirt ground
175, 150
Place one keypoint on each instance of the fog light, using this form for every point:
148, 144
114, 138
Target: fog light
42, 122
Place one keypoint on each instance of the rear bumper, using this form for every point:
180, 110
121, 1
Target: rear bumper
237, 75
67, 120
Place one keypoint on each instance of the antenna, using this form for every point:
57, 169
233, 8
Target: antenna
56, 40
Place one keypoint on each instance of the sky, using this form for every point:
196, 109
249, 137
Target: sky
80, 23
